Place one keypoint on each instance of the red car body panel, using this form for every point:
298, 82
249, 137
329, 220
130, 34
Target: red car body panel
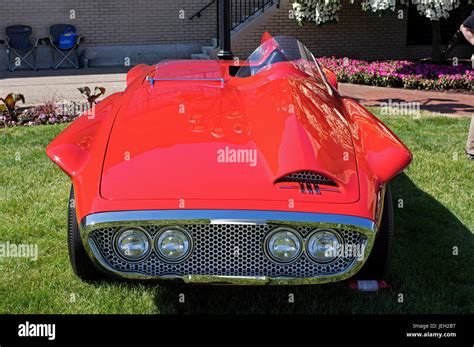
175, 155
155, 147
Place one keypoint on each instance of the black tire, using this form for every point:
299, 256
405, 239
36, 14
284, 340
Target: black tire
376, 266
80, 261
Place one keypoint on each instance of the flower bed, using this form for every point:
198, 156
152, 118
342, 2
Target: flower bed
401, 74
48, 113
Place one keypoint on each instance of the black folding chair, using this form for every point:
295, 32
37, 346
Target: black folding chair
66, 55
21, 47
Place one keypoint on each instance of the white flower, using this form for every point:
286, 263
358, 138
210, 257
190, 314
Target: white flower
322, 11
318, 11
436, 9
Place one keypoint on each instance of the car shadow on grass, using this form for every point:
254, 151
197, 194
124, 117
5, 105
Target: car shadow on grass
425, 274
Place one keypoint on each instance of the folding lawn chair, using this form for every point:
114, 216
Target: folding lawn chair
64, 41
21, 47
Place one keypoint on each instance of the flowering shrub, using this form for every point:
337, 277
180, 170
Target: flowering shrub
48, 113
401, 73
435, 9
318, 11
323, 11
378, 5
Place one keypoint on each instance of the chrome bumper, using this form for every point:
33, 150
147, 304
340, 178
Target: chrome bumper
182, 217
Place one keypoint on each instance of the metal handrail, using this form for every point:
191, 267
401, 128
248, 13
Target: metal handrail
198, 13
241, 11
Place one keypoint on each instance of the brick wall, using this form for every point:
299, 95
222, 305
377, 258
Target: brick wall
356, 35
116, 22
125, 22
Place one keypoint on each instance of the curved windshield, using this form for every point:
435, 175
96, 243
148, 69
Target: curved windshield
276, 50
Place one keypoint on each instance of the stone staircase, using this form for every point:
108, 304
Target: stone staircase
206, 51
239, 22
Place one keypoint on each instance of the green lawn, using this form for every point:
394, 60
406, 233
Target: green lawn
437, 215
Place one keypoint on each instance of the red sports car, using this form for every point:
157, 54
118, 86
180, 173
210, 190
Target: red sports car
254, 172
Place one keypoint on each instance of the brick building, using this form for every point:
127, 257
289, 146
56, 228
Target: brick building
150, 30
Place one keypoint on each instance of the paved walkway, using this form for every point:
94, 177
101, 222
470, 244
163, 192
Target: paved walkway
455, 104
49, 85
46, 85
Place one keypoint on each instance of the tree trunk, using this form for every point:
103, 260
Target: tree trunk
436, 54
452, 43
457, 37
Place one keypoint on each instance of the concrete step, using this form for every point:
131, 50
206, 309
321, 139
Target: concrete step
200, 56
207, 49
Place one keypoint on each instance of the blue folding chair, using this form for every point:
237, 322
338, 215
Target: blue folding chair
64, 41
21, 47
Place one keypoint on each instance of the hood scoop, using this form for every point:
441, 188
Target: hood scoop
307, 182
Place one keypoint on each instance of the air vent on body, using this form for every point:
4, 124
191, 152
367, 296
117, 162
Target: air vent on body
306, 177
306, 182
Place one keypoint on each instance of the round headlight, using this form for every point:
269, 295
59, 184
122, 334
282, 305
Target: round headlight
132, 243
173, 244
323, 246
283, 245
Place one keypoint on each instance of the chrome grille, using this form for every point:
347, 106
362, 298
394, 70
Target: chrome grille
306, 177
225, 250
